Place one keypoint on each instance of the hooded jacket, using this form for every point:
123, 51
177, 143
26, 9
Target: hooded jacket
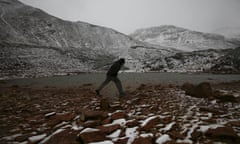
113, 71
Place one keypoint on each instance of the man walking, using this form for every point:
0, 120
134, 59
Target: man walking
112, 76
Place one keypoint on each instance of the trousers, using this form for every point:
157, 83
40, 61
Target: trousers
115, 80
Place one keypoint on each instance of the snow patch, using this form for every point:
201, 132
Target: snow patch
162, 139
131, 133
50, 114
103, 142
37, 138
147, 120
168, 127
88, 130
47, 138
206, 127
76, 127
114, 134
146, 135
121, 122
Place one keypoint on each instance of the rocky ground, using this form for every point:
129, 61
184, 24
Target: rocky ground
161, 114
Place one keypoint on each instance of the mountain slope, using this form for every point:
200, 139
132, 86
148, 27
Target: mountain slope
182, 39
228, 63
34, 43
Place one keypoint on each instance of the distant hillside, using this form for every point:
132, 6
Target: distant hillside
228, 63
181, 39
229, 32
34, 43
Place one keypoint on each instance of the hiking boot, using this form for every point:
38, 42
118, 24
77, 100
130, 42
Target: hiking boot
98, 93
122, 94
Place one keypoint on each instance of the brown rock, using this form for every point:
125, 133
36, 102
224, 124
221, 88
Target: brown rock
176, 135
104, 104
93, 115
109, 129
234, 123
54, 120
92, 123
107, 121
203, 90
64, 137
226, 98
23, 137
196, 135
93, 136
166, 120
142, 140
132, 123
222, 133
142, 86
188, 88
212, 110
121, 141
118, 115
150, 124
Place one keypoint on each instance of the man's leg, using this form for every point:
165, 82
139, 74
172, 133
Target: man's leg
119, 86
107, 80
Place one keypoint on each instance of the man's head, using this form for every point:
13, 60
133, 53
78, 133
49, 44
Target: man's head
122, 61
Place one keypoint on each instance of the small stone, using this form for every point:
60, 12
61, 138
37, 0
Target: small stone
92, 136
109, 129
176, 135
92, 123
142, 140
132, 123
118, 115
150, 124
64, 137
222, 133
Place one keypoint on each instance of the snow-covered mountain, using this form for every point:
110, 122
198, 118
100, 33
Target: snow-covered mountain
181, 38
229, 32
34, 43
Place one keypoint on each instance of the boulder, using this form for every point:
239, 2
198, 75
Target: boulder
91, 136
150, 124
222, 133
118, 115
109, 129
56, 119
91, 123
202, 90
176, 135
132, 123
142, 140
93, 115
196, 135
122, 140
234, 123
64, 137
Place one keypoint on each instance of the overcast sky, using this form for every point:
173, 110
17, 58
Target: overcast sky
128, 15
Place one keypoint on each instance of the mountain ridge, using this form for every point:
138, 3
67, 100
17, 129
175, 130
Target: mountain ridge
181, 38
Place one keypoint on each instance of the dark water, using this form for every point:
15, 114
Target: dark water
127, 79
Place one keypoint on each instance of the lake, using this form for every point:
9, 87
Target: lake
127, 79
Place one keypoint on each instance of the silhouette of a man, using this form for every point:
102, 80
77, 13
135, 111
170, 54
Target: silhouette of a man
112, 76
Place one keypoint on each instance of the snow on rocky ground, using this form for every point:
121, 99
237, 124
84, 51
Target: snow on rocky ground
161, 114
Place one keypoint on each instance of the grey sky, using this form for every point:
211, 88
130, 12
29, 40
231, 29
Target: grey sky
128, 15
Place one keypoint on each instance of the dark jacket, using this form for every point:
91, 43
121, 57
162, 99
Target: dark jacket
113, 71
